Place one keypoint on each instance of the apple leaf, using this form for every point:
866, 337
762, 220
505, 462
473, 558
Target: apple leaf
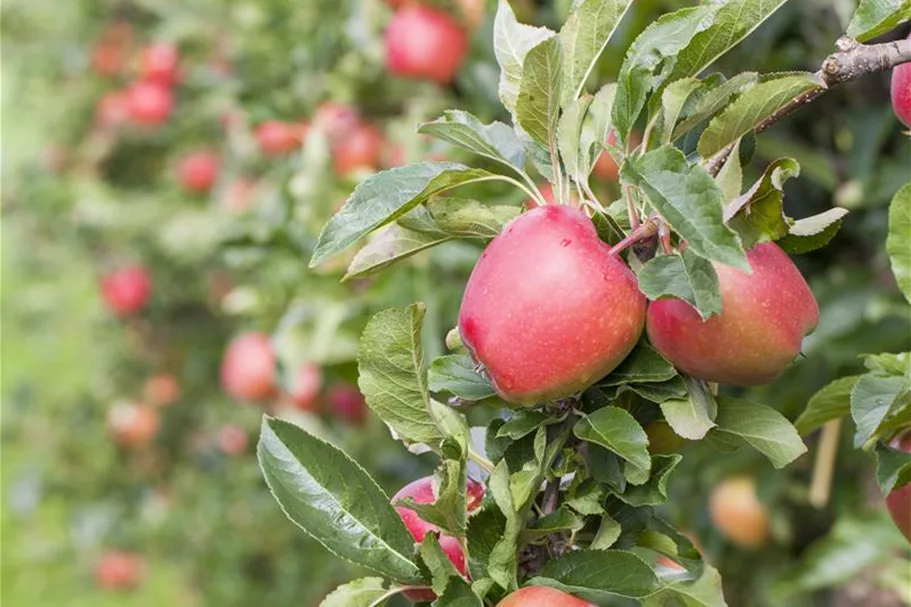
392, 374
730, 177
439, 565
685, 276
584, 37
485, 528
448, 510
569, 134
760, 426
502, 561
876, 17
616, 430
538, 104
888, 363
644, 364
897, 241
715, 94
593, 139
456, 374
893, 468
751, 108
599, 575
690, 200
673, 100
758, 215
609, 531
511, 42
560, 520
811, 233
463, 218
831, 402
496, 141
654, 491
384, 197
329, 496
872, 399
657, 45
706, 591
359, 593
691, 417
391, 244
659, 392
523, 422
458, 593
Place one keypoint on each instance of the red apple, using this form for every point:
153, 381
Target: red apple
149, 104
335, 120
305, 387
197, 171
232, 439
759, 332
132, 424
542, 596
421, 491
112, 109
248, 368
548, 311
239, 196
161, 390
361, 149
126, 290
901, 92
347, 404
425, 43
107, 59
738, 514
159, 63
899, 500
278, 138
119, 570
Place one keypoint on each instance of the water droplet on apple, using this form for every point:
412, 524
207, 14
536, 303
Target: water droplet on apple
565, 242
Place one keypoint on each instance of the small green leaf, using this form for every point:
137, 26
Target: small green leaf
654, 491
524, 422
710, 99
758, 215
875, 17
456, 374
643, 365
618, 431
730, 177
511, 42
673, 100
899, 235
335, 501
871, 401
391, 244
888, 363
893, 468
502, 561
569, 133
685, 276
538, 104
608, 533
448, 510
485, 528
659, 392
599, 575
762, 427
463, 218
592, 141
359, 593
439, 565
691, 417
587, 497
706, 591
831, 402
458, 594
496, 141
560, 520
811, 233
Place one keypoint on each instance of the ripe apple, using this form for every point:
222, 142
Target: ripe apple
112, 109
277, 138
899, 500
421, 491
759, 331
159, 63
335, 120
149, 104
232, 439
132, 424
738, 514
119, 570
901, 92
347, 404
542, 596
197, 171
305, 387
127, 289
248, 368
548, 310
425, 43
361, 149
107, 59
161, 390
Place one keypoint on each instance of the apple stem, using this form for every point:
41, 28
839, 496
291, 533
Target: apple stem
591, 196
481, 461
824, 466
664, 235
646, 230
631, 208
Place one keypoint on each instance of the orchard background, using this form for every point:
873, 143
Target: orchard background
201, 147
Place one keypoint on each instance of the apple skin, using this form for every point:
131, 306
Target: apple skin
901, 92
126, 290
132, 424
198, 171
542, 596
306, 386
149, 104
548, 310
361, 149
161, 390
159, 63
119, 570
248, 368
765, 317
738, 514
277, 138
347, 404
899, 500
232, 439
421, 491
425, 43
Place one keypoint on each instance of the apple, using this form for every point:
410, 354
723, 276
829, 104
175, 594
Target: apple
901, 92
107, 59
132, 424
335, 120
361, 149
765, 316
161, 390
425, 43
126, 290
119, 570
347, 404
738, 514
305, 387
112, 109
421, 491
239, 196
197, 171
542, 596
547, 310
899, 500
277, 138
149, 104
159, 63
248, 368
232, 439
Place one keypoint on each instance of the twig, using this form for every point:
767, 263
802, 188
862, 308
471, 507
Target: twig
851, 61
646, 230
824, 467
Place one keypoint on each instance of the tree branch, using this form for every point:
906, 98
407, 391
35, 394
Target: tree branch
852, 60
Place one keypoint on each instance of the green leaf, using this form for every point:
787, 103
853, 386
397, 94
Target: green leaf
893, 468
560, 520
538, 104
660, 392
751, 108
618, 431
386, 196
875, 17
690, 200
654, 47
335, 501
673, 100
584, 37
644, 364
359, 593
758, 215
691, 417
448, 510
734, 21
899, 234
503, 560
871, 400
760, 426
708, 100
524, 422
587, 497
464, 218
685, 276
831, 402
456, 374
608, 533
569, 134
392, 374
811, 233
496, 141
458, 594
439, 565
391, 244
706, 591
654, 491
597, 575
485, 528
592, 141
511, 42
730, 177
888, 363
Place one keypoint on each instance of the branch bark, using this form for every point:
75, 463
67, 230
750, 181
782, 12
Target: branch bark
852, 60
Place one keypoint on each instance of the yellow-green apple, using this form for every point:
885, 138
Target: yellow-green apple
738, 514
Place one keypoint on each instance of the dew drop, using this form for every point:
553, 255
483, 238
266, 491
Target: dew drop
565, 242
